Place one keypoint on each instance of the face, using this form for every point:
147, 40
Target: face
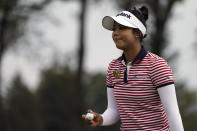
124, 37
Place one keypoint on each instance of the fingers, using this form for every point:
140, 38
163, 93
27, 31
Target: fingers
92, 123
89, 122
83, 116
85, 119
90, 111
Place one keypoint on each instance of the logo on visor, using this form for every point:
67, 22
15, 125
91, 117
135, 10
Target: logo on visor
124, 14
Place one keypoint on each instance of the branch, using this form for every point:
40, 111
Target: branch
169, 8
41, 5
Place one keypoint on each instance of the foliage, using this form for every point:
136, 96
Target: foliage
21, 108
56, 96
187, 104
14, 15
2, 116
52, 106
57, 99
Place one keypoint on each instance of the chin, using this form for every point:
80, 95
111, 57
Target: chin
119, 46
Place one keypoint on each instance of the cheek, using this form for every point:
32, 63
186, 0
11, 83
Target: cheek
129, 36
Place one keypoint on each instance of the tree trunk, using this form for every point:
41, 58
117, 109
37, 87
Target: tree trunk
7, 8
80, 104
161, 14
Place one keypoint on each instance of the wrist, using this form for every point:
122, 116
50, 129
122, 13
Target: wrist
100, 120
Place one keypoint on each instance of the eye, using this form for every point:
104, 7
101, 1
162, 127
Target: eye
123, 27
113, 28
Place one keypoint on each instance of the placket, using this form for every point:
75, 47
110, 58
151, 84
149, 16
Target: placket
126, 72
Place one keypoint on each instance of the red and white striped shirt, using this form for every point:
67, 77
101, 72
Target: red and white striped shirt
135, 91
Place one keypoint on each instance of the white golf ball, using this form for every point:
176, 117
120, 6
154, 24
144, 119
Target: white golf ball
89, 116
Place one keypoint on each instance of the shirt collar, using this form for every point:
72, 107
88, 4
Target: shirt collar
137, 59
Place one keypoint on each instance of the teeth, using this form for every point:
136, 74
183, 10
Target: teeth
116, 37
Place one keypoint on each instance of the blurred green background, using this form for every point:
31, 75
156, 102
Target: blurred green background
61, 86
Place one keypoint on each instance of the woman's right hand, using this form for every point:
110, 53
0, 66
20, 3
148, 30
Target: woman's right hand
96, 121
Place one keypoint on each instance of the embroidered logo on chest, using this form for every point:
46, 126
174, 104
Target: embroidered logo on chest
116, 74
140, 76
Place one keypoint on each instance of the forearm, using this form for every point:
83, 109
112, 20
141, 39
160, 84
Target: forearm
110, 117
111, 114
169, 101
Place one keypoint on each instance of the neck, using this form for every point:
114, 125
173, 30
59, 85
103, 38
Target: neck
131, 53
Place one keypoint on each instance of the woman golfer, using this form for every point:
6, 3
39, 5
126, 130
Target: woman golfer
140, 84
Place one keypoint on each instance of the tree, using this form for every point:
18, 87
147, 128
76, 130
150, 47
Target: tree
187, 104
16, 13
57, 96
13, 16
21, 108
79, 86
2, 115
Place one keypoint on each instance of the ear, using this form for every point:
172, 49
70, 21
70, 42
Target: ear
137, 33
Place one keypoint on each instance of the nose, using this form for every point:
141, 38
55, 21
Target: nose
116, 32
115, 28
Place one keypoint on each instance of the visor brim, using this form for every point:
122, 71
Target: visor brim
108, 22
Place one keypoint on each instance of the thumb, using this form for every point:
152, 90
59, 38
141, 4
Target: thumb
90, 111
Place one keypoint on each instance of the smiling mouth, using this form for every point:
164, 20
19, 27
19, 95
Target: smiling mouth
117, 38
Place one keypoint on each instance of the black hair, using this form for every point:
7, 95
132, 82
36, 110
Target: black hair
142, 14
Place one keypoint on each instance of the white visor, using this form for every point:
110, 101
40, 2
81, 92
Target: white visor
124, 18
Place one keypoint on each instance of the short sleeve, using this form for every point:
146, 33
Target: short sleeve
161, 73
109, 82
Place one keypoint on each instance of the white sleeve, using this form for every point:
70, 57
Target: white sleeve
169, 101
111, 114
